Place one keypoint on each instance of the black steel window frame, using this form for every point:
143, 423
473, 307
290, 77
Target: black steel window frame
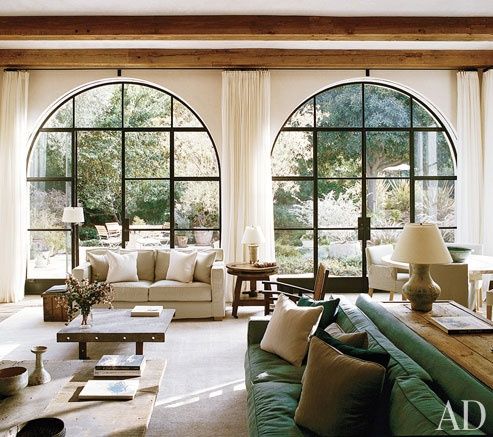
72, 179
314, 178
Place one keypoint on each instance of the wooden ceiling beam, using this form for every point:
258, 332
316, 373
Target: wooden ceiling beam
246, 27
245, 58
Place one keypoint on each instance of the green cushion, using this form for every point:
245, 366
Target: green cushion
271, 408
262, 366
356, 352
330, 309
416, 410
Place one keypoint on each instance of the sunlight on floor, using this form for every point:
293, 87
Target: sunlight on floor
6, 348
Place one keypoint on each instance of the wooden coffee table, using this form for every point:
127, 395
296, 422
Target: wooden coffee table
59, 398
116, 326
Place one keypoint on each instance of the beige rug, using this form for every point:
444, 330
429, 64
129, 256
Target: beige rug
202, 393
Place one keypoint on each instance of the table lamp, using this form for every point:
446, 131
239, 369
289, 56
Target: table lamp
74, 215
252, 237
420, 245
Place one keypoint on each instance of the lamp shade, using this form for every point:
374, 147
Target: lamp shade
421, 243
252, 235
73, 214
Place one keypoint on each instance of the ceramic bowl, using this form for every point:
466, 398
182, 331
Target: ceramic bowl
459, 254
12, 379
44, 427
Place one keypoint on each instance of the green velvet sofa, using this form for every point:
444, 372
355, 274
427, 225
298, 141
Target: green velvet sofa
419, 381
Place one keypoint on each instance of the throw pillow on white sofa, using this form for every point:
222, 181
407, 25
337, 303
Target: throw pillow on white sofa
122, 268
181, 266
203, 266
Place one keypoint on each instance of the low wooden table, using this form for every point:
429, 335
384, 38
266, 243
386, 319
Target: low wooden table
117, 326
473, 352
247, 272
59, 398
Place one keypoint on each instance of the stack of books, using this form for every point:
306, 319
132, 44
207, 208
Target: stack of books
146, 311
120, 365
123, 390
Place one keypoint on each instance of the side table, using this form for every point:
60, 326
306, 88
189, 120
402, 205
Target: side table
247, 272
52, 312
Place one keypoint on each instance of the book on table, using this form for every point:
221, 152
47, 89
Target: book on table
109, 390
146, 311
120, 365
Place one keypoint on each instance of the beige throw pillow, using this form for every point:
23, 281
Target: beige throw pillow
145, 264
355, 339
181, 266
203, 266
162, 264
122, 268
339, 393
289, 330
99, 266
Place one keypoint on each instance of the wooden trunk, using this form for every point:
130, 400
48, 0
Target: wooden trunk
52, 311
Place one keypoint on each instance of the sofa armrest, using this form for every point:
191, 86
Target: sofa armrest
256, 328
82, 271
217, 289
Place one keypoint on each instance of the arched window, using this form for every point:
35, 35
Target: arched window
351, 166
137, 159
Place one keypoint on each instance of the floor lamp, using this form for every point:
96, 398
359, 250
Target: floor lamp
74, 215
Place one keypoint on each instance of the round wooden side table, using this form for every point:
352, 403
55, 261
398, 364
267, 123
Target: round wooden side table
247, 272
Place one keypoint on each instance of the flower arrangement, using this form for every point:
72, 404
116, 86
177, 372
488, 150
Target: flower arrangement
82, 295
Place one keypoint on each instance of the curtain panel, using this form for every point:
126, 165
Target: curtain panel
246, 171
13, 198
487, 100
469, 159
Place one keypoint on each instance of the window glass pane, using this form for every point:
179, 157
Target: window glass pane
388, 202
432, 154
339, 203
47, 200
422, 117
49, 254
197, 239
302, 117
293, 154
384, 236
62, 117
99, 176
435, 202
339, 154
197, 204
51, 156
147, 154
340, 251
146, 107
294, 251
147, 202
139, 239
448, 235
293, 204
385, 107
195, 155
340, 107
99, 107
387, 154
183, 117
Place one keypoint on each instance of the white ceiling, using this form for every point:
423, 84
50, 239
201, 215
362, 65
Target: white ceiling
254, 7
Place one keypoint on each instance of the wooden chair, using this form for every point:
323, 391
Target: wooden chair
105, 238
114, 229
293, 291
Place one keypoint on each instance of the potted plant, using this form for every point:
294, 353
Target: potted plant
82, 295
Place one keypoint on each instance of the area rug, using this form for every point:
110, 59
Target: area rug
203, 391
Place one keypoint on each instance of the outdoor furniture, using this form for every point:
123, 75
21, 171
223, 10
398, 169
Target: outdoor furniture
114, 230
294, 292
489, 304
382, 276
104, 237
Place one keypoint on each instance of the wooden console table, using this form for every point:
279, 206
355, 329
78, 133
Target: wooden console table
247, 272
473, 352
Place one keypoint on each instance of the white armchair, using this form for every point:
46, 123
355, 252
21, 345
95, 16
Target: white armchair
382, 276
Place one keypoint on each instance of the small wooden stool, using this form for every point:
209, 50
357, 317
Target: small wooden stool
489, 304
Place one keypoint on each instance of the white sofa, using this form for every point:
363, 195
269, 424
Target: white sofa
189, 300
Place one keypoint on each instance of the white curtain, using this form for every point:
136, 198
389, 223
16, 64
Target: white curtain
13, 212
487, 100
246, 172
469, 159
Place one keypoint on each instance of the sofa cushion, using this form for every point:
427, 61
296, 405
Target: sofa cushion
174, 291
131, 291
99, 266
145, 264
355, 339
416, 410
330, 309
181, 266
162, 264
203, 265
122, 268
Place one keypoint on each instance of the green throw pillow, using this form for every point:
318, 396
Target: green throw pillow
330, 309
356, 352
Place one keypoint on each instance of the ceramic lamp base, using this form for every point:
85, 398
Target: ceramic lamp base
421, 290
252, 253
